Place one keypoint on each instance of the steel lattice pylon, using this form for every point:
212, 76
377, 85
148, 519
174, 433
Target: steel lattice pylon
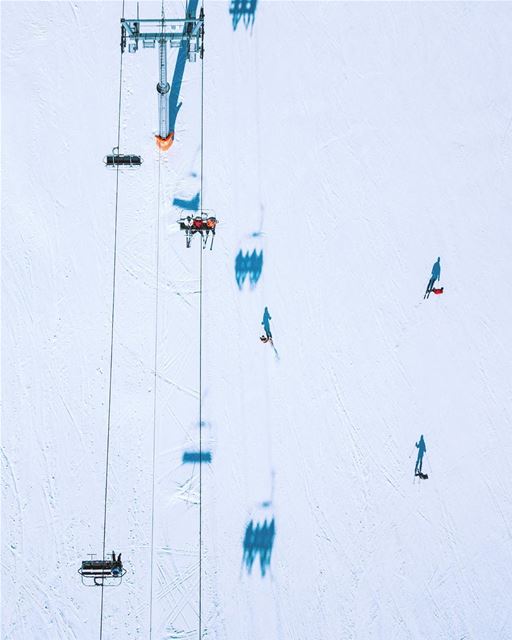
177, 32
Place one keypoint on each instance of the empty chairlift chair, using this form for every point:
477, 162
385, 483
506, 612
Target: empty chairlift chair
102, 573
116, 159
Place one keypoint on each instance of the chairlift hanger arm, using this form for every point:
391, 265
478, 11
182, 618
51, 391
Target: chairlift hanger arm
172, 30
134, 27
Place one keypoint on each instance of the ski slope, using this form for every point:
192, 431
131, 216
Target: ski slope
349, 144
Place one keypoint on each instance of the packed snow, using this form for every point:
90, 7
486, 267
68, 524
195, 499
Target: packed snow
346, 146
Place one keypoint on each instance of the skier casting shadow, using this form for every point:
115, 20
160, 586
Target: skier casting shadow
436, 274
419, 460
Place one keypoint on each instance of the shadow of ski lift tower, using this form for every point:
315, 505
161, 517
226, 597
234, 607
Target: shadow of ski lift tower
174, 31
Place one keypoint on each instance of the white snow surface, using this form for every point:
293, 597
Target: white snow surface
361, 141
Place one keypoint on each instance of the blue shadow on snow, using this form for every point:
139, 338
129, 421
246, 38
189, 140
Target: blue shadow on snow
243, 9
179, 70
196, 456
421, 452
248, 265
259, 540
188, 205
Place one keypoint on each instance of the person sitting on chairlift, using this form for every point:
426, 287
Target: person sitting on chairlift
211, 223
117, 565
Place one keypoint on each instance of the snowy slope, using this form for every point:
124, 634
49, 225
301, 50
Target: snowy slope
352, 144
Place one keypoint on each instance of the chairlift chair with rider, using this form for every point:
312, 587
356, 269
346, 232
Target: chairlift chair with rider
202, 223
102, 573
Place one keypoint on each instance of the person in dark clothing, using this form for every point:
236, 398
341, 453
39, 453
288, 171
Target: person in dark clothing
117, 565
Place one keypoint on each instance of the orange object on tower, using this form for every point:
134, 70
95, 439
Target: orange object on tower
164, 144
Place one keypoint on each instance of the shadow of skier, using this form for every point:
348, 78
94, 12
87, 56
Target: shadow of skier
436, 274
420, 445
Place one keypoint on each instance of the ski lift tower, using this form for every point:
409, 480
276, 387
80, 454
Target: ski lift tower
175, 31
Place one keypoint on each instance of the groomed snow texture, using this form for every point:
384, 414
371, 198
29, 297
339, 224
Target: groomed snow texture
349, 145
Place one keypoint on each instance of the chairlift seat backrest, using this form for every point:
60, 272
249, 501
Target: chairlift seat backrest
97, 565
122, 160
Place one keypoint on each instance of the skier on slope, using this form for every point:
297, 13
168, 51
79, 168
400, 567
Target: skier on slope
436, 274
266, 325
419, 460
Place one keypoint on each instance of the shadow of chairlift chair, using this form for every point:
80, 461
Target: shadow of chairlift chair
192, 457
116, 159
102, 573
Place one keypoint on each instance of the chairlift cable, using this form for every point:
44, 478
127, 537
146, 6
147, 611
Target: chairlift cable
201, 199
157, 286
155, 379
114, 271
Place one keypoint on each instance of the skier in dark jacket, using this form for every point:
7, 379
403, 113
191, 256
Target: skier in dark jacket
117, 565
